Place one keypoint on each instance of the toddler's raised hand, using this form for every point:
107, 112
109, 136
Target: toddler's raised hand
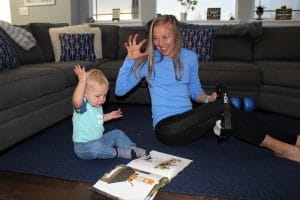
80, 72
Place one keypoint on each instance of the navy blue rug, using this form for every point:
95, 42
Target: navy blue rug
232, 169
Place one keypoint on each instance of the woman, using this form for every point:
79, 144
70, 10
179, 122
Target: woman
172, 75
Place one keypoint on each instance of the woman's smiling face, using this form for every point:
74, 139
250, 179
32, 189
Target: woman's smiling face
164, 39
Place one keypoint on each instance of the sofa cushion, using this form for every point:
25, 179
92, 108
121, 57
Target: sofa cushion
77, 47
279, 43
109, 40
67, 67
85, 28
280, 73
25, 83
232, 48
235, 42
199, 40
124, 33
8, 60
111, 69
284, 100
34, 55
252, 30
41, 34
230, 73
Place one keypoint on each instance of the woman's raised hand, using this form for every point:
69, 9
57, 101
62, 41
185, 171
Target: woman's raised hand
134, 49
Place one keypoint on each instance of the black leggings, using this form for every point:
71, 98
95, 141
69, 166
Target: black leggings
190, 126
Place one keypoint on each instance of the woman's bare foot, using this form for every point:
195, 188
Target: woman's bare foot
282, 149
298, 141
293, 153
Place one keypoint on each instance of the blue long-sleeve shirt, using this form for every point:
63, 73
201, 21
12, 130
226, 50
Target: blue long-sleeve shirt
168, 95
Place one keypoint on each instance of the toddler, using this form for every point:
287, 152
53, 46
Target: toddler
89, 139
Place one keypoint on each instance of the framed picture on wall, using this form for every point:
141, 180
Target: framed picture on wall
213, 13
116, 14
283, 13
39, 2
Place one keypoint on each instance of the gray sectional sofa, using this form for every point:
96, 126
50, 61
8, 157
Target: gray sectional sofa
262, 62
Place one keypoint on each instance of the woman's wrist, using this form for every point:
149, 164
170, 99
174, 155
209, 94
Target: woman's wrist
206, 100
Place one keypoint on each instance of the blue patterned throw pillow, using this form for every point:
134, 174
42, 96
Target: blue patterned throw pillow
199, 40
77, 47
8, 60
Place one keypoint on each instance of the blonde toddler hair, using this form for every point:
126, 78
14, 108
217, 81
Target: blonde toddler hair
96, 76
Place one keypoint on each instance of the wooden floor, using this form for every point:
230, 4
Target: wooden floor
14, 186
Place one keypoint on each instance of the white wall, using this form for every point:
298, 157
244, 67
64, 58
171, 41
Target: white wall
58, 13
64, 11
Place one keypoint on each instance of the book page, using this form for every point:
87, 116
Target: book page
162, 164
138, 186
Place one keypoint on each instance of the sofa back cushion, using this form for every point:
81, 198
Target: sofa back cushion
110, 40
279, 43
236, 42
41, 33
124, 33
33, 55
232, 48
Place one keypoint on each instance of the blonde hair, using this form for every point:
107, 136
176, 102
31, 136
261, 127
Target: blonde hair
96, 76
163, 19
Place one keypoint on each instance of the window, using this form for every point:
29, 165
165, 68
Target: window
270, 7
141, 11
228, 9
5, 11
103, 9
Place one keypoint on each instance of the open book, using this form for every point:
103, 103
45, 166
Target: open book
141, 178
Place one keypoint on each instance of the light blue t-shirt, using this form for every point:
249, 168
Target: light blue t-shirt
168, 95
87, 123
